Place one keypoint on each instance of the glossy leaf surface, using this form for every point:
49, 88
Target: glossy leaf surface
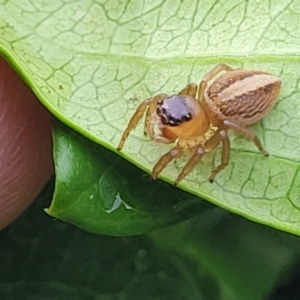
100, 192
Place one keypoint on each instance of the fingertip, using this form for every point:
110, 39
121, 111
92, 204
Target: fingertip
26, 161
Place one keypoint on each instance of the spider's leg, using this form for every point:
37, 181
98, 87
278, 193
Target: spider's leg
149, 106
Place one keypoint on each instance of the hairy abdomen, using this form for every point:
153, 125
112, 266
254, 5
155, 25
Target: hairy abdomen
242, 96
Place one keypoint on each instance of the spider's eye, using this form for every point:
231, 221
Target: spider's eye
161, 112
187, 117
164, 120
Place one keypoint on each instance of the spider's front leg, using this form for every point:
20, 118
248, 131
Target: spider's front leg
219, 137
148, 106
175, 152
183, 144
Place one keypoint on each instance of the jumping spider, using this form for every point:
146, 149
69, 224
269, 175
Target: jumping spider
233, 101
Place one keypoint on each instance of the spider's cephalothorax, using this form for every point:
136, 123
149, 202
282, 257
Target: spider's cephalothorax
232, 101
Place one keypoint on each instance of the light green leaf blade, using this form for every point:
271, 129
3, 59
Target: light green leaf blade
88, 60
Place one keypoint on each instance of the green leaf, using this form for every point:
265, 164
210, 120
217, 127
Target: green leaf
88, 61
100, 192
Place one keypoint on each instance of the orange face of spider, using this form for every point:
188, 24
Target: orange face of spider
181, 116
